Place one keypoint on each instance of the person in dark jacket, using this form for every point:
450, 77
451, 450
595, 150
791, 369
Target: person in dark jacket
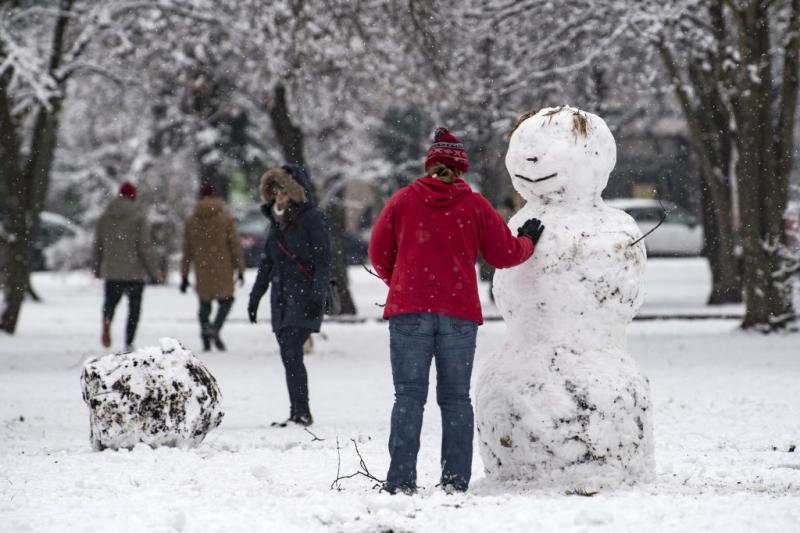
297, 265
424, 246
123, 256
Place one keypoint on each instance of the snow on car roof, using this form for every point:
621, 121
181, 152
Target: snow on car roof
55, 218
633, 203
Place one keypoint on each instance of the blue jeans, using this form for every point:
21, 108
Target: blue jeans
414, 340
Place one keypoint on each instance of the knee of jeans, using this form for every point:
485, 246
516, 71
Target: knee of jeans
416, 392
453, 396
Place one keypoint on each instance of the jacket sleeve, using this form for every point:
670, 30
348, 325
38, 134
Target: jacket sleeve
383, 241
499, 246
264, 275
187, 254
235, 244
319, 236
144, 245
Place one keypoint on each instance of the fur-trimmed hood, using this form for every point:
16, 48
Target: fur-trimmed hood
291, 178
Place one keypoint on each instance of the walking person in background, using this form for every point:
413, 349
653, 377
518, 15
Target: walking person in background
211, 244
297, 265
424, 246
123, 256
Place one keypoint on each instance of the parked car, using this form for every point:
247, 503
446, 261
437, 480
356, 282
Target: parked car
253, 228
252, 235
679, 235
60, 244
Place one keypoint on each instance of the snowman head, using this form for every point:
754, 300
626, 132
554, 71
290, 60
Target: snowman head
561, 155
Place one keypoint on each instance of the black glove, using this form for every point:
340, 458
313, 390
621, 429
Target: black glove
252, 311
531, 229
184, 284
240, 277
312, 310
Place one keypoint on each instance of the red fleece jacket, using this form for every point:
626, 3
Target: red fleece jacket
425, 243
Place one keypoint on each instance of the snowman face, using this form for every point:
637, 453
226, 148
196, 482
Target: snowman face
561, 153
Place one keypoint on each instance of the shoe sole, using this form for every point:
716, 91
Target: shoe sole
286, 424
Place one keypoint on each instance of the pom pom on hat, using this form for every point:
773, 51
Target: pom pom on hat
441, 132
447, 150
128, 190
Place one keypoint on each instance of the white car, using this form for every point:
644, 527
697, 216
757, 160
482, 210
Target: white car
679, 235
60, 244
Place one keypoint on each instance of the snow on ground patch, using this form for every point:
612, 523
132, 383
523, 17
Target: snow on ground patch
725, 403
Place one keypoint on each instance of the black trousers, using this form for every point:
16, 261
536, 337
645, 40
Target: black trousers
290, 341
204, 314
113, 294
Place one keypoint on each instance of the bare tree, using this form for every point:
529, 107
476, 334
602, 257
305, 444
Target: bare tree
739, 91
701, 78
42, 49
765, 114
26, 174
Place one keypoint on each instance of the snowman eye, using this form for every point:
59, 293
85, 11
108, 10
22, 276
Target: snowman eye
533, 159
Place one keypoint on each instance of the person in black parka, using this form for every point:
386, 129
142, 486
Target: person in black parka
297, 263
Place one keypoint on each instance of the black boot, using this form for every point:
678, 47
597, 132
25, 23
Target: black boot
206, 343
302, 415
223, 308
217, 341
304, 420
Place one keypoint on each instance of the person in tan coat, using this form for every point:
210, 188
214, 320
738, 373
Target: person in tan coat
211, 244
123, 256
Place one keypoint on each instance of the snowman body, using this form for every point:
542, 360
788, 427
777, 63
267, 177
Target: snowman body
563, 404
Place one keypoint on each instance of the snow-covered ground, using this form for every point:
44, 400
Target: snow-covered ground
727, 414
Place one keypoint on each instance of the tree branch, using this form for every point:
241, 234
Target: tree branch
362, 471
555, 71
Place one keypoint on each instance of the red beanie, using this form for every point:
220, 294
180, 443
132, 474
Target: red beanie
447, 150
128, 190
207, 190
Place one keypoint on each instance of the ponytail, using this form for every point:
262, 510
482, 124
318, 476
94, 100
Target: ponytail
442, 173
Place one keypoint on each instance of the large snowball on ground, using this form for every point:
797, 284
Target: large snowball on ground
161, 396
563, 404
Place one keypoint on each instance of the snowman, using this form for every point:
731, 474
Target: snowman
563, 404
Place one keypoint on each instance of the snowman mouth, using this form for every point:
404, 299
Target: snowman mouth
537, 180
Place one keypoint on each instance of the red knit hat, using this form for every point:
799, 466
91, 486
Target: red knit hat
127, 190
447, 150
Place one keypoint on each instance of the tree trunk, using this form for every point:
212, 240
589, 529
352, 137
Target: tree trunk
16, 222
763, 178
27, 189
726, 286
726, 283
290, 137
710, 132
336, 218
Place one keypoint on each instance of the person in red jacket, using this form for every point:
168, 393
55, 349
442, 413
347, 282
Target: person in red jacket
424, 246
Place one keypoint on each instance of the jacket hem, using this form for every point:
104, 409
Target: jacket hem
435, 311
